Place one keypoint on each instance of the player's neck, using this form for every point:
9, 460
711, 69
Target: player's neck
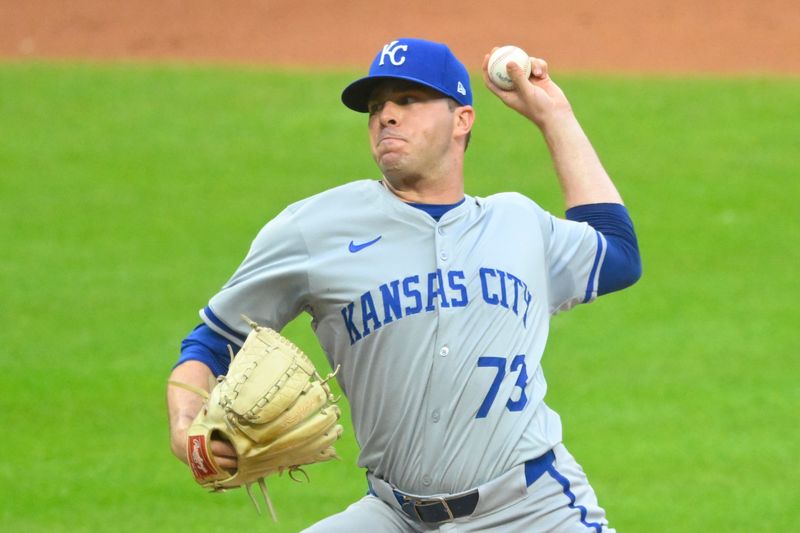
426, 192
441, 185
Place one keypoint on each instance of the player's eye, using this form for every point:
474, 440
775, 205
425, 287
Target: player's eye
401, 100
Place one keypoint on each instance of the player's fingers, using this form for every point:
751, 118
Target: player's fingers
226, 463
221, 448
224, 454
517, 74
539, 68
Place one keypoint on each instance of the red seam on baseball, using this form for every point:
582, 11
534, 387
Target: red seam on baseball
501, 57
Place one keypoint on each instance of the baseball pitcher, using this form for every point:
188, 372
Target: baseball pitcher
434, 306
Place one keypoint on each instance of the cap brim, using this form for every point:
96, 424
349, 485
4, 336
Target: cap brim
356, 95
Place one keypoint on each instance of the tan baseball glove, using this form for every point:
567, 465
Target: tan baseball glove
275, 410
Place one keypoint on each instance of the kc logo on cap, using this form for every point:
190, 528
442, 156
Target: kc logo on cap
389, 50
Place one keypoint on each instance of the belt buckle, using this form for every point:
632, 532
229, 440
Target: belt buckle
429, 502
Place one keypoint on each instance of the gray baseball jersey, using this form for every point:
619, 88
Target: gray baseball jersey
439, 327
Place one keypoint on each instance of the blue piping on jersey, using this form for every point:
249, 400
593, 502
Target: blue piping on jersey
622, 265
220, 327
208, 343
591, 287
209, 347
564, 482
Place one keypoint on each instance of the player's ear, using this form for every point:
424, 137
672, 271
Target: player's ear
464, 118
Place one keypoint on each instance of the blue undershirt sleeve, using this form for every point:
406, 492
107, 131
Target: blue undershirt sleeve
209, 347
622, 266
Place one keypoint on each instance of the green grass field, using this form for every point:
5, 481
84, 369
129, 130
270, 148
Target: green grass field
129, 193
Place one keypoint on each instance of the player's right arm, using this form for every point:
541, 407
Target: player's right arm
589, 194
580, 173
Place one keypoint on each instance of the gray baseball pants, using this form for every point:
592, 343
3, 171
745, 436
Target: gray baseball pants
560, 499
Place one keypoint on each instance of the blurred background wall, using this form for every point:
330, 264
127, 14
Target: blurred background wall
681, 36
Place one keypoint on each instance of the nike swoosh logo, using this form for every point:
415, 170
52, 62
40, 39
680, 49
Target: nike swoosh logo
358, 247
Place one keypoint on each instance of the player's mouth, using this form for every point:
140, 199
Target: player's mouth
389, 138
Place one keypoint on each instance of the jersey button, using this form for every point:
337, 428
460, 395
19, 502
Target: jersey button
444, 351
426, 480
435, 416
440, 230
443, 256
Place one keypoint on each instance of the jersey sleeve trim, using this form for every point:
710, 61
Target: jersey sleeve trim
207, 346
622, 265
220, 327
594, 275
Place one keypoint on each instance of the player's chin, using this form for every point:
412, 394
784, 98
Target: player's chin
391, 162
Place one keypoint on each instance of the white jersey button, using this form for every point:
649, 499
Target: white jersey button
443, 255
440, 230
435, 416
444, 351
426, 480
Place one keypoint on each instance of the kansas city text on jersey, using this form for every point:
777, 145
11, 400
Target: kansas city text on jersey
399, 298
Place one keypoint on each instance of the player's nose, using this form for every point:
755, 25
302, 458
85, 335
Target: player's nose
389, 114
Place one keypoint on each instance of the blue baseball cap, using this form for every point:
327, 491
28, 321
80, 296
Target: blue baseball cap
424, 62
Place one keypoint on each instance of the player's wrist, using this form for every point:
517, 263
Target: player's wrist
555, 119
178, 446
564, 135
179, 436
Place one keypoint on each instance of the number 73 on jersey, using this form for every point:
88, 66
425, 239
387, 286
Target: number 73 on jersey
500, 364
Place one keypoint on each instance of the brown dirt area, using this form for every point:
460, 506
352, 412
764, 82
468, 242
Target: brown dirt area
682, 36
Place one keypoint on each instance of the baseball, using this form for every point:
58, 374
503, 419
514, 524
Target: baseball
498, 61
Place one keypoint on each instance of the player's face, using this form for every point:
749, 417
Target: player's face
411, 129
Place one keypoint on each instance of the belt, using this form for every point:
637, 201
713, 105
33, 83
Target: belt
435, 510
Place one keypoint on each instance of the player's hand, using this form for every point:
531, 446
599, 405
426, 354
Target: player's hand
223, 452
538, 97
